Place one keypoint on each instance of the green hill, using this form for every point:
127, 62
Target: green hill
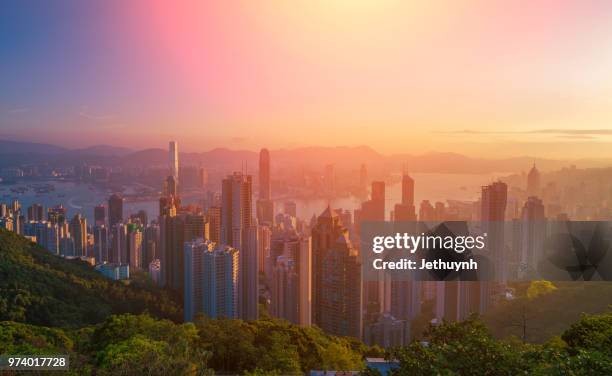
39, 288
538, 318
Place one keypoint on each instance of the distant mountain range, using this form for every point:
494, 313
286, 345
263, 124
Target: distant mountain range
316, 157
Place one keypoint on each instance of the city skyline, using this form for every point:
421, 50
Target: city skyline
314, 187
375, 73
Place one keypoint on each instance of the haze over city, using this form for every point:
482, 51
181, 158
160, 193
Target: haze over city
310, 187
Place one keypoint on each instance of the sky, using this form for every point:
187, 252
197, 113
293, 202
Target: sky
483, 78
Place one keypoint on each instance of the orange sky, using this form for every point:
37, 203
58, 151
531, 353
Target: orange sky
478, 77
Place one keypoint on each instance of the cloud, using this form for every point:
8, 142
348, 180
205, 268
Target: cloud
19, 110
553, 131
576, 136
574, 131
93, 117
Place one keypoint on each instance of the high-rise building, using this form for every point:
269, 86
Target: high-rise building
265, 212
115, 210
211, 280
78, 232
248, 281
45, 234
15, 206
405, 211
151, 243
291, 276
6, 223
427, 213
493, 201
405, 299
101, 236
173, 160
172, 239
141, 218
290, 208
134, 246
236, 208
118, 244
36, 212
171, 186
533, 181
265, 192
494, 198
341, 298
533, 234
239, 231
264, 205
167, 206
155, 271
214, 223
4, 212
407, 190
264, 239
374, 209
336, 278
99, 215
284, 294
387, 332
56, 214
196, 227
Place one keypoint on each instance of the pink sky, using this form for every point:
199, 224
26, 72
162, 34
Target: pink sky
395, 75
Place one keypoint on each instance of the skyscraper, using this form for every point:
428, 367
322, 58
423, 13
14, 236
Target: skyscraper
211, 280
236, 208
78, 231
56, 214
291, 276
493, 200
336, 278
290, 208
427, 211
115, 210
264, 175
36, 212
374, 209
533, 234
118, 243
171, 186
341, 292
533, 181
239, 231
134, 246
99, 215
100, 233
173, 160
405, 211
214, 223
407, 190
264, 205
151, 244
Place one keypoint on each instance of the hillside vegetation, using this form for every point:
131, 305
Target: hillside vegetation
39, 288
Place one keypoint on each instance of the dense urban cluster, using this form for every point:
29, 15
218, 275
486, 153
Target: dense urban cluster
236, 257
233, 256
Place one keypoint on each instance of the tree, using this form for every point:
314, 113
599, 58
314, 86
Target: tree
539, 288
592, 332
